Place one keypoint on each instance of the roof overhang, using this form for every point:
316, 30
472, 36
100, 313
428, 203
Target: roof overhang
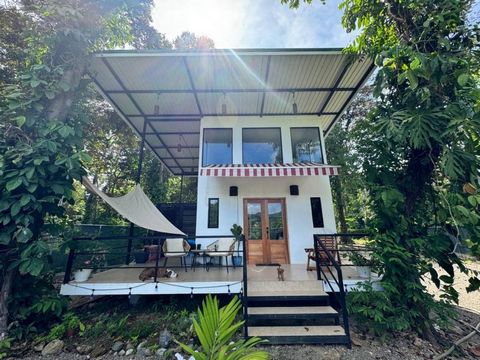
163, 95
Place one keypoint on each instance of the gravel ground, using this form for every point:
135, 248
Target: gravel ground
470, 301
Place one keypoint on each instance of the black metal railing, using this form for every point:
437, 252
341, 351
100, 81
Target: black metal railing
327, 257
101, 246
244, 292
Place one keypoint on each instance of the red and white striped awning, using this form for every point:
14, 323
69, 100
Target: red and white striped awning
270, 170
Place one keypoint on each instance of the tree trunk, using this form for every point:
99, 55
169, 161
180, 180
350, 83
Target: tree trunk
4, 295
60, 105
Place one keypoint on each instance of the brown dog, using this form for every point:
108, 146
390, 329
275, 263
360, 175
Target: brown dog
280, 272
149, 273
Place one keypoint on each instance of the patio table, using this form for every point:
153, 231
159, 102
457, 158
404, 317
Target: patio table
196, 253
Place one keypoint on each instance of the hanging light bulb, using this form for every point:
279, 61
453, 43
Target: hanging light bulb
179, 146
224, 104
156, 108
294, 105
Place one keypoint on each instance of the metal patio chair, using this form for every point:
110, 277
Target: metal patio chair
176, 248
222, 248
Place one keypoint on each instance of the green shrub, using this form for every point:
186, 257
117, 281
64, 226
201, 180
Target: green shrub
215, 329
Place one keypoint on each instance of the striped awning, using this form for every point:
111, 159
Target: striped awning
270, 170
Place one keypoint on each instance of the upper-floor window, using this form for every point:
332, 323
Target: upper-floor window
217, 146
306, 145
262, 145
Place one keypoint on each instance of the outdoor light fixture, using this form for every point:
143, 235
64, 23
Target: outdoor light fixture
294, 105
179, 146
224, 105
156, 108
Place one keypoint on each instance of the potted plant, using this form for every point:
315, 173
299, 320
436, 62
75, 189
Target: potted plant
363, 265
237, 233
82, 273
140, 255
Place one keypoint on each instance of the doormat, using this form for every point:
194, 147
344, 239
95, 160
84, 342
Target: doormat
274, 264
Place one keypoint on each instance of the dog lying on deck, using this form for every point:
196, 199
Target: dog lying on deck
149, 273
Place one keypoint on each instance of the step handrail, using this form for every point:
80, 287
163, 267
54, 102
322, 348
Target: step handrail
244, 293
317, 242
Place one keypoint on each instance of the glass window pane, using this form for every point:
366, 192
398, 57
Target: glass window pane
317, 214
306, 144
262, 145
254, 212
213, 213
275, 221
217, 146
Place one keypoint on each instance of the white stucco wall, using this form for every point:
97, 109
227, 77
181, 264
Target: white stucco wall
298, 211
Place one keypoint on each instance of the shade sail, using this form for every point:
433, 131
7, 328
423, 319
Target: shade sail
270, 170
137, 208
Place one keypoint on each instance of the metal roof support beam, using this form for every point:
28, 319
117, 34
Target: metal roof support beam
153, 116
132, 99
360, 84
322, 108
265, 82
221, 91
192, 85
163, 146
172, 133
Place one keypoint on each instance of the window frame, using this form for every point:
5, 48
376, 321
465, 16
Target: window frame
321, 212
263, 128
319, 138
209, 224
203, 143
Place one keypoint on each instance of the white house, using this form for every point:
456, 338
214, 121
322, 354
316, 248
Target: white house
251, 125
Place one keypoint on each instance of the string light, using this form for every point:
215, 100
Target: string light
156, 286
91, 296
229, 292
129, 293
191, 293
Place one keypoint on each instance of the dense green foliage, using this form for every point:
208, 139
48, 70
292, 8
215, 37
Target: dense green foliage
54, 128
420, 148
215, 327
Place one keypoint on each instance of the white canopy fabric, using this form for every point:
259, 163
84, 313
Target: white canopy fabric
137, 208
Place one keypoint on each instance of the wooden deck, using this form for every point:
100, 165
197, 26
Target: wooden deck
261, 280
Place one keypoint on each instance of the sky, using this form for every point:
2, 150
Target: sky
253, 23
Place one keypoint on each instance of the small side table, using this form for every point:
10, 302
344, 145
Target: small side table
196, 253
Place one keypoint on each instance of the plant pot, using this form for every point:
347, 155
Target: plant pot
364, 271
141, 257
237, 261
82, 275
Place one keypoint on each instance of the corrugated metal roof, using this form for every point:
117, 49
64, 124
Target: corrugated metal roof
172, 90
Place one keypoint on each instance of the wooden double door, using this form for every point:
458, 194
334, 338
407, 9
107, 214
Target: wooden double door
265, 230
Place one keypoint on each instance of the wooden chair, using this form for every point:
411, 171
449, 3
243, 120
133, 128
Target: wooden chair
330, 243
174, 248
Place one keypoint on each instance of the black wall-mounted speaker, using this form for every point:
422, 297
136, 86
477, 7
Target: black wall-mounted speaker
294, 190
233, 190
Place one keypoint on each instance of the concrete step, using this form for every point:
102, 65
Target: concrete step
327, 334
292, 316
274, 286
292, 310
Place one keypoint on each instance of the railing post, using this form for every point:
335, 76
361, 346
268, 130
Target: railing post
157, 259
129, 246
68, 270
317, 258
343, 304
245, 286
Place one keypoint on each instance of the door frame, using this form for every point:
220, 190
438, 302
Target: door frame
283, 201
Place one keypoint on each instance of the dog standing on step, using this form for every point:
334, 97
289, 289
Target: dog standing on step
280, 272
149, 273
